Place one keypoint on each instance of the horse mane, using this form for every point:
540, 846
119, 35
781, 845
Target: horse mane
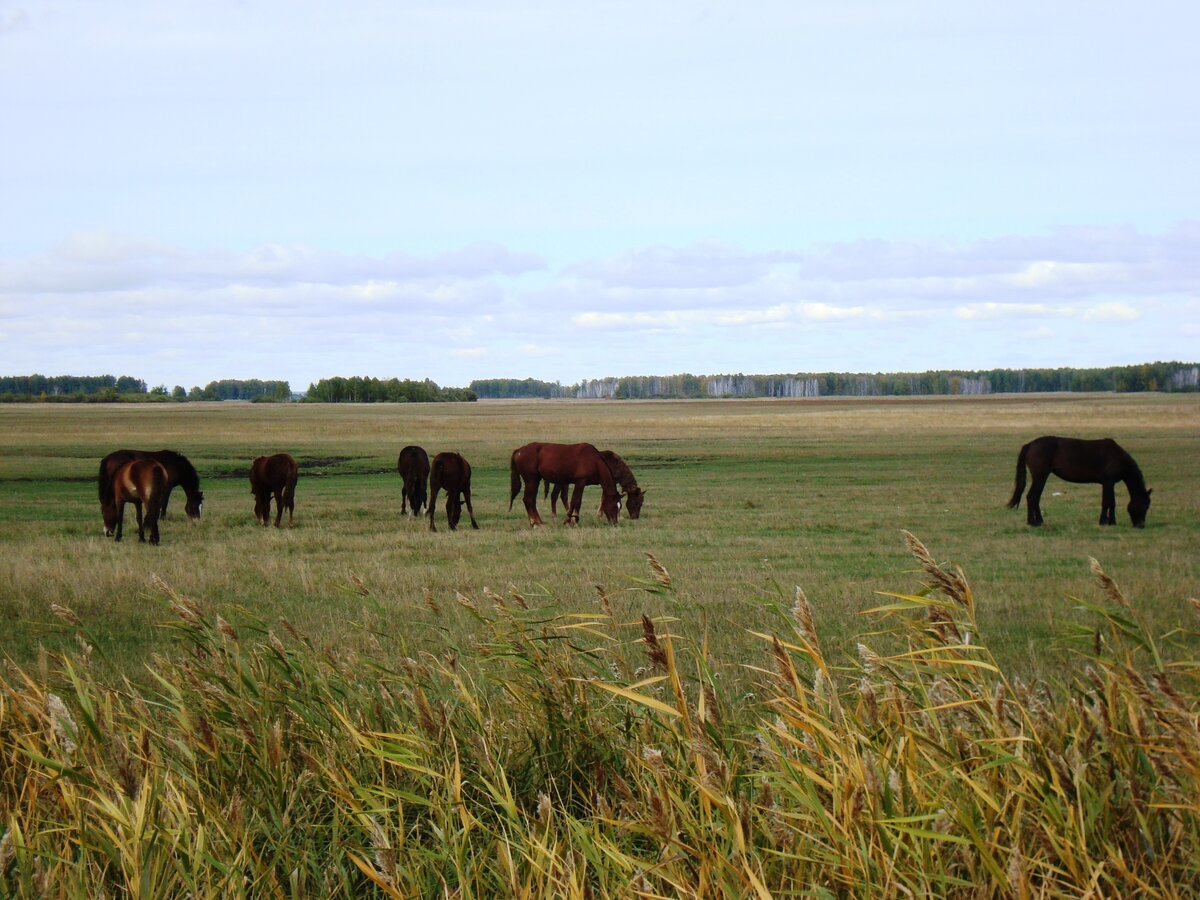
621, 472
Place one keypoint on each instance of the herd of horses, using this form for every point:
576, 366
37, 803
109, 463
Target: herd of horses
146, 478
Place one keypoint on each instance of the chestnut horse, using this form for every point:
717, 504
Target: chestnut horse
142, 482
577, 464
452, 472
179, 471
1100, 462
274, 475
413, 466
632, 496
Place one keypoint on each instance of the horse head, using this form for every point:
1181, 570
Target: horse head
195, 502
109, 510
1138, 507
633, 502
610, 506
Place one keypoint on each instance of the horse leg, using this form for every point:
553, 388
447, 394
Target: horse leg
137, 504
120, 519
530, 498
1033, 500
162, 512
576, 502
1108, 504
453, 509
152, 514
278, 507
433, 492
470, 510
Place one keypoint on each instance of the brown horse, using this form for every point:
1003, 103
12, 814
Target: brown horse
413, 466
179, 471
632, 496
1100, 462
274, 475
452, 472
142, 482
577, 464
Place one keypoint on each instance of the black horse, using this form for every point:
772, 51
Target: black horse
452, 472
1100, 462
413, 466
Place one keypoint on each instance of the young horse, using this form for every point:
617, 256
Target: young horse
142, 482
1100, 462
452, 472
413, 466
577, 464
179, 471
274, 475
632, 498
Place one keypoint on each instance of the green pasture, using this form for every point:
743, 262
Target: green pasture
745, 500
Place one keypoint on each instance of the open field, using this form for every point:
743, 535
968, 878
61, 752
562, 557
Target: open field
744, 500
327, 720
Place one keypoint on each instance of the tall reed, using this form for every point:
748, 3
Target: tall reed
596, 753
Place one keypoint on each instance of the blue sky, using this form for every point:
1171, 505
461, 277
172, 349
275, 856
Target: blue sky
456, 190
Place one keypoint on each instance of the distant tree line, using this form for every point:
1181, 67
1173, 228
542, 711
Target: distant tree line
108, 389
359, 389
497, 388
1157, 376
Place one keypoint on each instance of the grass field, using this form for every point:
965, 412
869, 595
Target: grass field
745, 499
357, 707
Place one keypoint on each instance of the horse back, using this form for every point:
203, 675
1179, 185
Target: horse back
1079, 460
142, 480
413, 460
271, 473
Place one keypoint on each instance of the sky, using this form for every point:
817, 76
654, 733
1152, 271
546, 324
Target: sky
459, 189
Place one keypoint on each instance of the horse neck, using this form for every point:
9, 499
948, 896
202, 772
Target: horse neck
624, 477
1134, 481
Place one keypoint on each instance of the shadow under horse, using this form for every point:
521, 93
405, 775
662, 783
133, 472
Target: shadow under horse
142, 482
1101, 462
274, 476
452, 472
413, 466
575, 464
178, 467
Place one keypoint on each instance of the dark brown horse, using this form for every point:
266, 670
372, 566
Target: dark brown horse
413, 466
142, 482
632, 496
1100, 462
452, 472
577, 464
179, 471
274, 475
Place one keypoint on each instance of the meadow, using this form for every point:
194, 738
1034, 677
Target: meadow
745, 500
952, 705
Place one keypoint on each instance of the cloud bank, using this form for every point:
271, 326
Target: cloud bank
104, 303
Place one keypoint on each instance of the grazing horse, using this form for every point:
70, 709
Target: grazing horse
577, 464
632, 496
142, 482
452, 472
1100, 462
274, 475
179, 471
413, 466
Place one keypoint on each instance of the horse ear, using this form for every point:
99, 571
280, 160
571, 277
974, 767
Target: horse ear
1149, 491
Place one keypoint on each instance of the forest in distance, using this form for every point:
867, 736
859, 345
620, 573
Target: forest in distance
1157, 376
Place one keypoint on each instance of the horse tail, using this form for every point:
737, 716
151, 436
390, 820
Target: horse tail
158, 487
1019, 487
515, 481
